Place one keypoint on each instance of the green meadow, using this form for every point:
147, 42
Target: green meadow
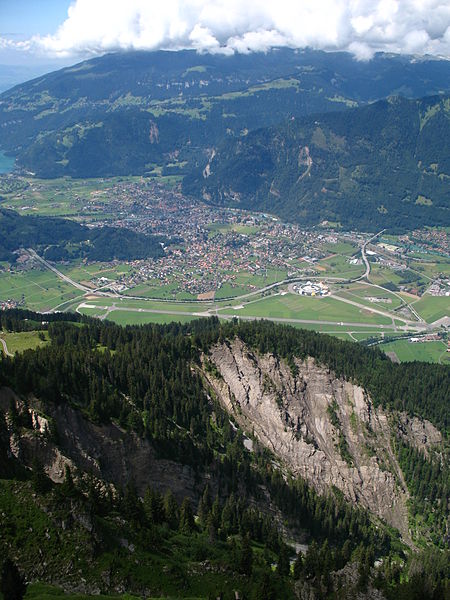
432, 308
136, 318
423, 351
24, 340
358, 292
291, 306
338, 265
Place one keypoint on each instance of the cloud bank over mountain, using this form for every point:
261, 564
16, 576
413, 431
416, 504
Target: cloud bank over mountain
359, 26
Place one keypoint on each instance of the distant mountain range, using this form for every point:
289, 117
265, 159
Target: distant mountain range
138, 112
382, 165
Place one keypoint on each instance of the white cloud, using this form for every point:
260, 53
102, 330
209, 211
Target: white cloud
359, 26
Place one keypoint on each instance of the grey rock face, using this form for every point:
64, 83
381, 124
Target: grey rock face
107, 451
322, 428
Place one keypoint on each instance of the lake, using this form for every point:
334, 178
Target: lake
6, 163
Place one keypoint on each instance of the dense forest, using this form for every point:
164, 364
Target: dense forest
379, 166
62, 239
146, 380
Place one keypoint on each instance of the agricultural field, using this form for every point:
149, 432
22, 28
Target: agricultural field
82, 273
40, 290
430, 269
338, 266
216, 228
153, 289
360, 292
136, 318
381, 275
423, 351
228, 291
137, 305
345, 248
432, 308
291, 306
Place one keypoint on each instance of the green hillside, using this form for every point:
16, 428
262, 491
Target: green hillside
385, 165
62, 239
126, 113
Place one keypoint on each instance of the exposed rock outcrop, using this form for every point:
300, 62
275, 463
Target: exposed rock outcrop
419, 433
322, 428
107, 451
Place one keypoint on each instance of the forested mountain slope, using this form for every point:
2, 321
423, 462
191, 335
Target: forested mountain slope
382, 165
221, 415
60, 239
125, 113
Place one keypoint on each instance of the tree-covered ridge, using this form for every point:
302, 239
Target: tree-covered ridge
385, 165
418, 388
62, 239
148, 380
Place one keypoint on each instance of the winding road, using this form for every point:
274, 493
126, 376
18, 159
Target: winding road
366, 274
5, 347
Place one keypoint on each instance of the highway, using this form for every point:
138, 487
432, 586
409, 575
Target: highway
79, 286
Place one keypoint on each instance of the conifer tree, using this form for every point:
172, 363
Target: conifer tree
283, 564
298, 566
246, 562
171, 510
204, 506
68, 488
187, 523
41, 483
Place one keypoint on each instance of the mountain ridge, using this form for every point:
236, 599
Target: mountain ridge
381, 165
74, 121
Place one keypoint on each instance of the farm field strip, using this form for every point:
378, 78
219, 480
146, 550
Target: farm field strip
432, 308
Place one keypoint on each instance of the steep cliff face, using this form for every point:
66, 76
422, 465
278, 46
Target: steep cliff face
322, 428
60, 436
318, 426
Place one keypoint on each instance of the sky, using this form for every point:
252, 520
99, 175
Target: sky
34, 33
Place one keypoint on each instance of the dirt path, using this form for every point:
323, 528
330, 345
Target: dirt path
5, 347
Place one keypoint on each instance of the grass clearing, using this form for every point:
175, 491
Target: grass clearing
24, 340
423, 351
